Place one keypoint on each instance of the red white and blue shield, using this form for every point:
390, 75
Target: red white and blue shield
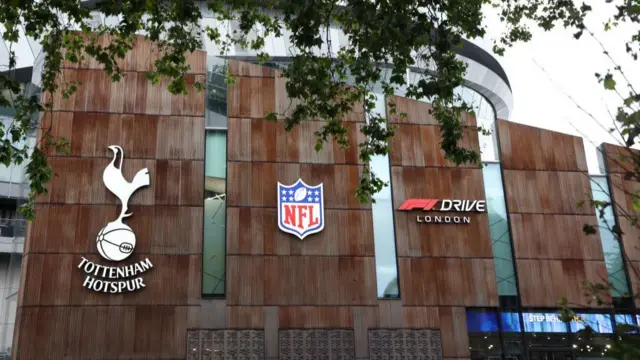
300, 209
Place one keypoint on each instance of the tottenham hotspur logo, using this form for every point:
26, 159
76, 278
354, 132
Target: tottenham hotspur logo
116, 241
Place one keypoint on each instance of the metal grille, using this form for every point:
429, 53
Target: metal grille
419, 344
316, 344
225, 344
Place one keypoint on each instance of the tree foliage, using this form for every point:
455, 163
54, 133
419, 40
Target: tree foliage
386, 38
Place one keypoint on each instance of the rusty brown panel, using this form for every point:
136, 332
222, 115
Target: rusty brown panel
244, 278
84, 132
139, 134
173, 280
261, 140
245, 317
419, 112
540, 236
256, 183
251, 97
529, 148
158, 229
127, 332
436, 183
548, 192
454, 281
168, 176
415, 145
421, 317
414, 239
180, 137
254, 231
453, 329
623, 195
246, 69
544, 282
618, 159
315, 317
633, 269
300, 280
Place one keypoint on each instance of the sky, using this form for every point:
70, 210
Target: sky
541, 97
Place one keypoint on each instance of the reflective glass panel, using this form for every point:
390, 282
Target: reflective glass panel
499, 229
383, 227
610, 246
213, 262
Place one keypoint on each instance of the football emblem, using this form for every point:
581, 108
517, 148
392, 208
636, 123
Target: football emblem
300, 194
300, 209
116, 241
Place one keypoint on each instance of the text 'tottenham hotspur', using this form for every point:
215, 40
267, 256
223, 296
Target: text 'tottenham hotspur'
114, 274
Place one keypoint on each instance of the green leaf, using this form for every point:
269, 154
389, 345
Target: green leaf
609, 83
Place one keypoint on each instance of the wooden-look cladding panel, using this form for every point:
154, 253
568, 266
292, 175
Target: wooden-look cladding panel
447, 281
528, 148
617, 158
622, 194
540, 236
548, 192
255, 184
315, 317
260, 140
79, 181
418, 112
157, 130
141, 58
113, 332
133, 94
300, 280
420, 146
436, 183
159, 229
56, 280
544, 282
254, 231
415, 239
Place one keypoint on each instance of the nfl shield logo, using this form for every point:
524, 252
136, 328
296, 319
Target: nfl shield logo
300, 209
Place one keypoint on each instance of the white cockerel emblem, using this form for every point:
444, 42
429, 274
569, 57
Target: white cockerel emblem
116, 241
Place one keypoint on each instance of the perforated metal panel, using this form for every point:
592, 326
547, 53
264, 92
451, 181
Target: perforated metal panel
419, 344
225, 344
316, 344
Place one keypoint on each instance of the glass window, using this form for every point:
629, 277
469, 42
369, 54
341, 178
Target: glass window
499, 229
216, 107
383, 226
213, 262
610, 245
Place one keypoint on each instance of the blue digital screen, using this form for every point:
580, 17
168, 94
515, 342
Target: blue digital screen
600, 323
482, 321
543, 322
510, 322
625, 319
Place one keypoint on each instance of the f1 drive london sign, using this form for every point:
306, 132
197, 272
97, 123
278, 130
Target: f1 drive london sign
446, 205
116, 241
300, 209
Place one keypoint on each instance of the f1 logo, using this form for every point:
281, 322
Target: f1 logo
424, 204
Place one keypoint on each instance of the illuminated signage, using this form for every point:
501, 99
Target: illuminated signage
116, 241
444, 205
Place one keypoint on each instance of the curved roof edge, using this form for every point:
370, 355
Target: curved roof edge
483, 57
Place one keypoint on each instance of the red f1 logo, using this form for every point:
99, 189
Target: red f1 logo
424, 204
